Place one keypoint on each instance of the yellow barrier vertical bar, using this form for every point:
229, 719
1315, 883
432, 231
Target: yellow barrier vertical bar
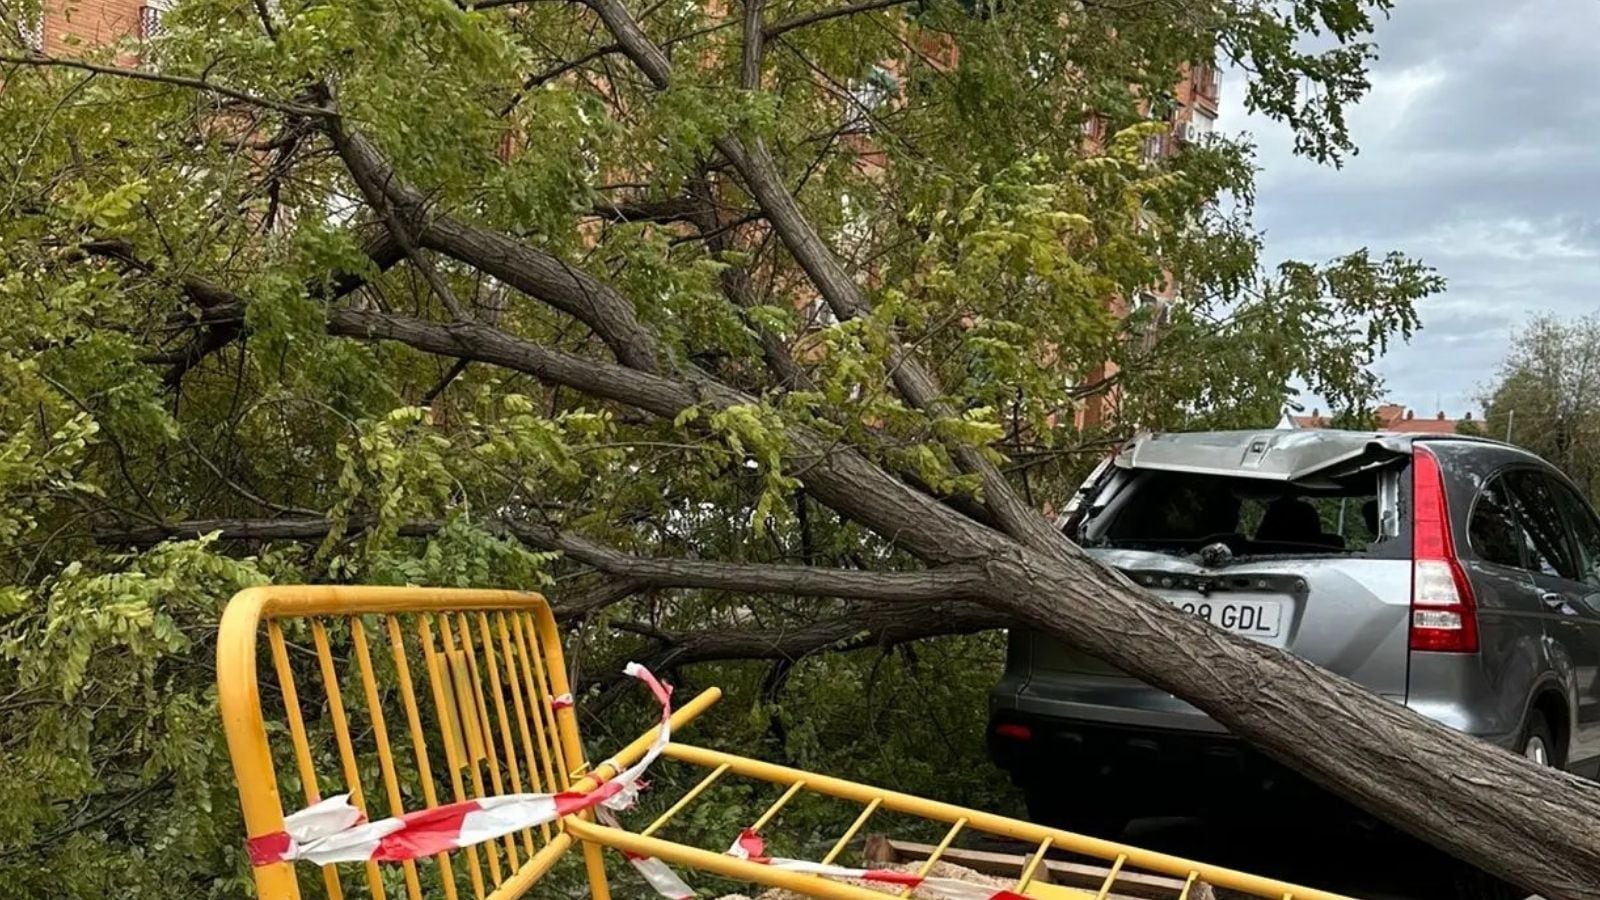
1111, 877
529, 753
440, 683
380, 734
297, 737
419, 744
466, 712
1033, 865
933, 858
1188, 885
482, 706
686, 799
507, 743
545, 634
850, 833
239, 701
540, 708
777, 806
558, 736
341, 731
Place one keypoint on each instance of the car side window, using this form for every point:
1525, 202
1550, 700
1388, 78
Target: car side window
1585, 533
1493, 528
1544, 533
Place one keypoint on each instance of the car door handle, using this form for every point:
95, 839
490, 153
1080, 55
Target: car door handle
1553, 600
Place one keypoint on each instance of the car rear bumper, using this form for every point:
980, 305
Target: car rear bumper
1144, 772
1115, 701
1449, 695
1135, 745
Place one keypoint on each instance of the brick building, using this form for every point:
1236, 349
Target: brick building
1191, 108
65, 26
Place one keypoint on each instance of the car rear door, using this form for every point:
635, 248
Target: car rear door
1584, 528
1542, 508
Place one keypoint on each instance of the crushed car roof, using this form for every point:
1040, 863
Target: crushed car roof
1278, 455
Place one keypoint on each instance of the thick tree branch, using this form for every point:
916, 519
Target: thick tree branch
38, 60
403, 231
531, 271
674, 209
869, 625
770, 32
950, 583
219, 310
609, 592
750, 63
484, 343
778, 29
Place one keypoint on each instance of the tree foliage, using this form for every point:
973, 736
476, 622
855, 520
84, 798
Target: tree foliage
630, 304
1547, 396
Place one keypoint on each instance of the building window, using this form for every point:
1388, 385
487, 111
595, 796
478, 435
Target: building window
870, 94
1207, 80
1161, 107
1156, 148
32, 33
150, 16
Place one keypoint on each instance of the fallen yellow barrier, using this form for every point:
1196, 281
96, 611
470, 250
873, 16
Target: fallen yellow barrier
480, 796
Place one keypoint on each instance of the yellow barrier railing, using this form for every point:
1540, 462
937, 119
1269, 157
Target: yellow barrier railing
473, 682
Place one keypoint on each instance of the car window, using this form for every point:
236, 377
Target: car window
1181, 511
1544, 534
1585, 533
1493, 529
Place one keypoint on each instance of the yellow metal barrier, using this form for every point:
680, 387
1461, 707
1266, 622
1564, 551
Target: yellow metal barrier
495, 676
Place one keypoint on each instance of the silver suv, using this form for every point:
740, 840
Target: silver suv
1458, 576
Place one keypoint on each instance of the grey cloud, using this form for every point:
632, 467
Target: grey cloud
1480, 152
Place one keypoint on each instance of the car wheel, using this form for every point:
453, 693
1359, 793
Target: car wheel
1078, 813
1538, 742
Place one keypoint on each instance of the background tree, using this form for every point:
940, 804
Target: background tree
608, 300
1547, 397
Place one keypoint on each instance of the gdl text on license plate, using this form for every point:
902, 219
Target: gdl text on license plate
1250, 618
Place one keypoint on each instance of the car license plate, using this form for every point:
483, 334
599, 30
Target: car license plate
1250, 618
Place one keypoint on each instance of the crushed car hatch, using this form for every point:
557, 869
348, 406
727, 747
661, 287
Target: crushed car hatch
1287, 455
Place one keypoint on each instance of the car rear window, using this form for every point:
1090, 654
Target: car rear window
1177, 511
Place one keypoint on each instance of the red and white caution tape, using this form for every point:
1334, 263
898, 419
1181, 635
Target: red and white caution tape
655, 873
334, 831
749, 846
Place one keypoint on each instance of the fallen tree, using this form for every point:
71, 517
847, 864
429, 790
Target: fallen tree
353, 292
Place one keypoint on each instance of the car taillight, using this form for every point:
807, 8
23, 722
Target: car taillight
1443, 612
1013, 731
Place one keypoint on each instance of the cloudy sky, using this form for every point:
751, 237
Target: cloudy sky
1480, 153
